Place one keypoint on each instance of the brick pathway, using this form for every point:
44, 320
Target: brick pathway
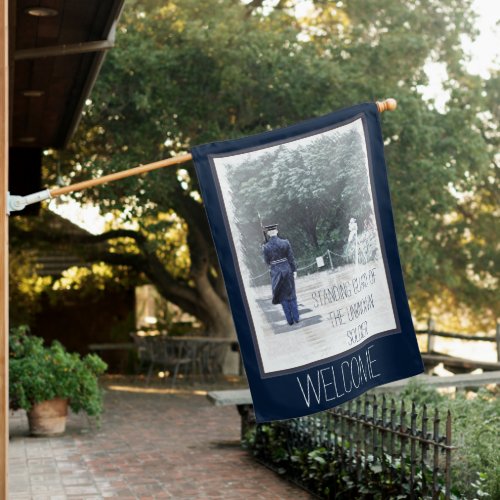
149, 446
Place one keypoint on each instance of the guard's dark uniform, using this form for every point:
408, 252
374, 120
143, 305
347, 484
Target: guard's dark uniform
279, 256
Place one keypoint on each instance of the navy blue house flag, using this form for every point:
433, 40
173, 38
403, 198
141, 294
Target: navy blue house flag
302, 222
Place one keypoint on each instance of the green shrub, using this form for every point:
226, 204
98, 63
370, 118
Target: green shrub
475, 465
38, 373
476, 434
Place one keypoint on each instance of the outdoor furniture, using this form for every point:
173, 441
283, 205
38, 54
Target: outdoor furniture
242, 399
158, 351
197, 356
213, 354
206, 353
111, 346
115, 354
194, 348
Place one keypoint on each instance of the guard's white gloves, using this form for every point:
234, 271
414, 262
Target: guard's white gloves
294, 274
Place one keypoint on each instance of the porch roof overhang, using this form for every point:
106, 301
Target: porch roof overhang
57, 48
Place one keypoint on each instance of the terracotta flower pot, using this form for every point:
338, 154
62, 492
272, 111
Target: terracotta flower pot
48, 417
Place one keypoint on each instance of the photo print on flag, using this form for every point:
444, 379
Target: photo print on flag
302, 223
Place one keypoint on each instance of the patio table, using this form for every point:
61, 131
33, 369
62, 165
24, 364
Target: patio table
205, 352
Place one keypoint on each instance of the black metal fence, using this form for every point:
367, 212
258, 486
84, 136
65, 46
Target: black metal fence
373, 441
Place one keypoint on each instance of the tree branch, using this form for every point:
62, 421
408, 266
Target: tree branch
135, 261
171, 288
64, 238
118, 233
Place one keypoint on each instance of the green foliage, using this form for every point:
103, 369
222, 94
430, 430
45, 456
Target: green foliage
38, 373
476, 434
189, 72
25, 286
421, 394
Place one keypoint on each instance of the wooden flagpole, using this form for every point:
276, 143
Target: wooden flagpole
176, 160
387, 105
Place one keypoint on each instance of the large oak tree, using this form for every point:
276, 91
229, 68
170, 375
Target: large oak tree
185, 72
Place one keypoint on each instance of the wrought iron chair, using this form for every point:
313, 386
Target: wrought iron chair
157, 351
174, 356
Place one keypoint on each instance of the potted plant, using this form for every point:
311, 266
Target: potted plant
45, 380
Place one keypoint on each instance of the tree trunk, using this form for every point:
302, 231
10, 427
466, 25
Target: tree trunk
221, 321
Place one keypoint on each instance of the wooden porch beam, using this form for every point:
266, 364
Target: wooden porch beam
4, 248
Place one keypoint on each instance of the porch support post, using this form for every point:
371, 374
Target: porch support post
4, 248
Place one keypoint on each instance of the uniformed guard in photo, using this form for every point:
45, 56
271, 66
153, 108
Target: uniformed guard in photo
278, 256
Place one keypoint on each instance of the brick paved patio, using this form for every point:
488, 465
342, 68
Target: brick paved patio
150, 445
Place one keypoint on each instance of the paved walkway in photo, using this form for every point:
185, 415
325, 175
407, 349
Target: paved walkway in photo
151, 444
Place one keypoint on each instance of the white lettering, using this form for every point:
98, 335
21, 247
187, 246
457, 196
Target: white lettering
309, 385
325, 385
370, 362
343, 375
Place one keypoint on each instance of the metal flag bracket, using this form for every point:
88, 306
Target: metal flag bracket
16, 203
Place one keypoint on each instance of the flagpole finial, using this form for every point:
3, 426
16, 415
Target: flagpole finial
387, 105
